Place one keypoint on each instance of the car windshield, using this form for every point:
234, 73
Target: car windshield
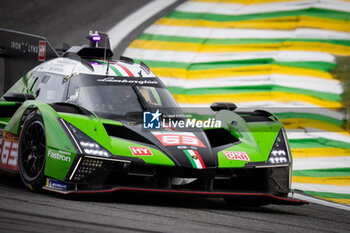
120, 98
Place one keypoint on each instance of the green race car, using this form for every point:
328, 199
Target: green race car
81, 122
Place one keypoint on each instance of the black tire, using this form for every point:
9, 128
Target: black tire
32, 151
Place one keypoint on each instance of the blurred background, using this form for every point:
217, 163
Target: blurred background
289, 56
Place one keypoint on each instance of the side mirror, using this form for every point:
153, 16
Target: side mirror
18, 97
217, 106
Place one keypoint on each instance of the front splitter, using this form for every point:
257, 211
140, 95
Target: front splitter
267, 197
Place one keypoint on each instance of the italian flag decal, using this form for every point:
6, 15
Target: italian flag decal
195, 158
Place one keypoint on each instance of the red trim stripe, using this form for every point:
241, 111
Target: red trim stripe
200, 158
125, 69
179, 191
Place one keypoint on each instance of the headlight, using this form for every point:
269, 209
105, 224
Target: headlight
84, 143
280, 150
94, 149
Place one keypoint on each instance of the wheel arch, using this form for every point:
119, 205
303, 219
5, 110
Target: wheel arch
56, 138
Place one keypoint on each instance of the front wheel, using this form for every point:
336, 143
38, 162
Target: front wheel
32, 151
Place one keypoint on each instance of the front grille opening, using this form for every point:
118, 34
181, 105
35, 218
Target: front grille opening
279, 179
154, 181
219, 137
158, 177
90, 169
125, 133
252, 180
96, 174
223, 180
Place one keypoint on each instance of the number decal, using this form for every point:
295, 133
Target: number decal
5, 152
12, 161
178, 138
9, 151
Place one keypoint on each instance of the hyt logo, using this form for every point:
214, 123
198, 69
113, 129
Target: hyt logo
140, 151
151, 120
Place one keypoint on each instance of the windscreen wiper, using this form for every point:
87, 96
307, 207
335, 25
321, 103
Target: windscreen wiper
141, 99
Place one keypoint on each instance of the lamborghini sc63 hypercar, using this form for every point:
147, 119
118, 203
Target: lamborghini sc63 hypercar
82, 122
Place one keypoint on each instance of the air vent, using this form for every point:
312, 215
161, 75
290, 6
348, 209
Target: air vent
125, 133
9, 110
257, 116
127, 60
219, 137
70, 108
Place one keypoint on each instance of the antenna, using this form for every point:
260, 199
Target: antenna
107, 66
99, 47
105, 52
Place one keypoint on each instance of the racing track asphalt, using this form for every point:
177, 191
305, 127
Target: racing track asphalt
24, 211
64, 21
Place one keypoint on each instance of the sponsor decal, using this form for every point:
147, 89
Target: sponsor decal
178, 138
42, 50
195, 159
16, 45
55, 68
56, 184
24, 47
127, 81
237, 155
59, 155
182, 147
140, 151
9, 151
151, 120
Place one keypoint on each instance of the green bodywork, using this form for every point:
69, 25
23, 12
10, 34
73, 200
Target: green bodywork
57, 140
94, 128
256, 138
